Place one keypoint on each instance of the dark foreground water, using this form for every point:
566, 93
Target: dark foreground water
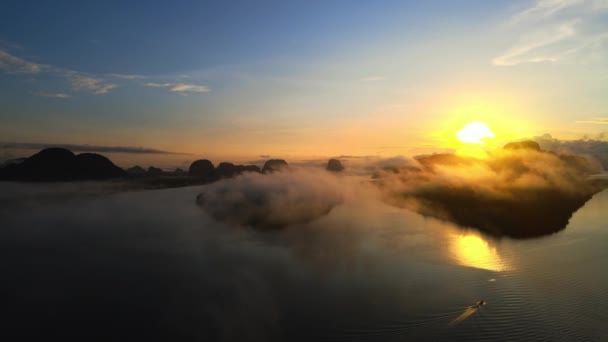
151, 265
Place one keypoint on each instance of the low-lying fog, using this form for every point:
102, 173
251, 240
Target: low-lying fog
84, 261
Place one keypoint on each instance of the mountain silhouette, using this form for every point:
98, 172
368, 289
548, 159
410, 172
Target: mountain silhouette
59, 164
334, 165
274, 165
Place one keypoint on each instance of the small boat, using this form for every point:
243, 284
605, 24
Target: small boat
470, 310
479, 304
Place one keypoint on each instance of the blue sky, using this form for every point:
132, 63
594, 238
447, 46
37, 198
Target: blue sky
299, 77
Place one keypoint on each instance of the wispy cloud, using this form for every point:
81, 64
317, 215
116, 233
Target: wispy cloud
595, 121
543, 9
557, 31
128, 76
55, 95
86, 148
78, 80
81, 81
95, 85
529, 49
180, 87
13, 64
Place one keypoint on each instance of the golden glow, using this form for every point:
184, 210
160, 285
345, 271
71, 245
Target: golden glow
507, 114
473, 251
474, 133
465, 314
475, 151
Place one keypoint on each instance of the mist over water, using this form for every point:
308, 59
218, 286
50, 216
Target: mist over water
84, 262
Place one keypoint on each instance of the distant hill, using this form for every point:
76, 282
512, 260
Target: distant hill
519, 191
59, 164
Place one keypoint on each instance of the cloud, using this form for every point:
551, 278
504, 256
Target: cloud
12, 64
180, 87
514, 192
79, 81
128, 76
273, 201
85, 148
595, 147
86, 82
95, 85
543, 9
557, 31
55, 95
597, 121
190, 88
530, 48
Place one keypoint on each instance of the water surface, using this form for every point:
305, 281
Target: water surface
151, 265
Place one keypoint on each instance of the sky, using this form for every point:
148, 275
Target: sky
300, 78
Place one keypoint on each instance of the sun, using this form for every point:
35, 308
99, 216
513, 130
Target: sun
474, 133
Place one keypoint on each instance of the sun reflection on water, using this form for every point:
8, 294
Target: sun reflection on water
473, 251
